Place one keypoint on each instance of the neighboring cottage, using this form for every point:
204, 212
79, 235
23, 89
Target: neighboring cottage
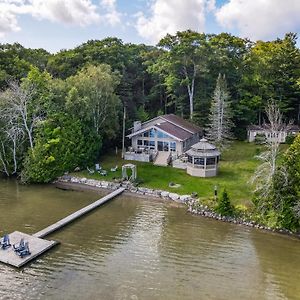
254, 132
161, 139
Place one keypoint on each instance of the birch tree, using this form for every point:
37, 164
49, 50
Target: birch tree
220, 124
181, 63
263, 178
19, 106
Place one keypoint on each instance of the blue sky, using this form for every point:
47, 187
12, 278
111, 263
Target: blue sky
63, 24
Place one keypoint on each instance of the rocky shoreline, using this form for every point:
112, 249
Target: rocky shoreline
194, 206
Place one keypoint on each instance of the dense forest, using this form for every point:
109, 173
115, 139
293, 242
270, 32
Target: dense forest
58, 111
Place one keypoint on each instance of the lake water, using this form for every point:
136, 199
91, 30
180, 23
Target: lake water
142, 249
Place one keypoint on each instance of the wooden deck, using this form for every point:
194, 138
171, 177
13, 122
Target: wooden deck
37, 245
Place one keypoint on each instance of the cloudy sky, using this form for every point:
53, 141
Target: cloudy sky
63, 24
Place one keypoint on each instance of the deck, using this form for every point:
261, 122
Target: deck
37, 244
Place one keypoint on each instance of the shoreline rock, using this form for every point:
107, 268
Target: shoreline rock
194, 207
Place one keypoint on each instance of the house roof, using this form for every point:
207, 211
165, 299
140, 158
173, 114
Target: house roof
267, 127
174, 130
170, 124
180, 122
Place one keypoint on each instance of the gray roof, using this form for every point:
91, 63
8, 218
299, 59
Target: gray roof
203, 149
172, 125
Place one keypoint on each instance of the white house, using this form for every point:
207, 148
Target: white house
161, 138
254, 131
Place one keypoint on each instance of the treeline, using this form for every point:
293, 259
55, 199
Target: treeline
58, 109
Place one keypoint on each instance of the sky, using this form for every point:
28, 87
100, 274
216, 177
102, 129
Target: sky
64, 24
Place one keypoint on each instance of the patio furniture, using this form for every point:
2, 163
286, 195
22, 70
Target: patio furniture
90, 170
114, 169
20, 246
5, 243
103, 172
25, 251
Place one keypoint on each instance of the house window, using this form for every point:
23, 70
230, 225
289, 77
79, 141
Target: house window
211, 161
152, 133
166, 146
146, 134
146, 143
190, 159
173, 146
199, 161
161, 135
152, 144
140, 142
160, 146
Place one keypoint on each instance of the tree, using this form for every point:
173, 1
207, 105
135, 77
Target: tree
219, 129
224, 206
92, 97
181, 63
62, 143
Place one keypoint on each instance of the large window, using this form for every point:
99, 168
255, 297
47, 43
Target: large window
162, 135
173, 146
146, 134
160, 146
140, 142
152, 145
166, 146
152, 133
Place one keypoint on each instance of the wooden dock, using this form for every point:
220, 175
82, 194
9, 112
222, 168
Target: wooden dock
37, 245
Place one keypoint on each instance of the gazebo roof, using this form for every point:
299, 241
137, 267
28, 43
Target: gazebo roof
203, 149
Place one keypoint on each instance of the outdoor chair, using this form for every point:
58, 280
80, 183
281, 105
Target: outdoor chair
114, 169
103, 172
25, 251
98, 167
19, 247
90, 170
5, 243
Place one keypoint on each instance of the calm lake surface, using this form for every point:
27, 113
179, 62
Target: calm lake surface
140, 249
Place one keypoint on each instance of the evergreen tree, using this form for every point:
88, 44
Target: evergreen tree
219, 129
224, 206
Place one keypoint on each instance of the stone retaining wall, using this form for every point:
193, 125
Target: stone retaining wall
194, 206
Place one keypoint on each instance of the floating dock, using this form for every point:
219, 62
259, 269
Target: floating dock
37, 244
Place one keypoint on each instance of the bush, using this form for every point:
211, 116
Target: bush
290, 139
224, 206
260, 139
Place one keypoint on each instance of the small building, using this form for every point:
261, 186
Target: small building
255, 131
167, 133
203, 159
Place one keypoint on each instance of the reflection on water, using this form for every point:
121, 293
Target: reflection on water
141, 249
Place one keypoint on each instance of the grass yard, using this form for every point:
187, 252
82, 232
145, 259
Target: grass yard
236, 168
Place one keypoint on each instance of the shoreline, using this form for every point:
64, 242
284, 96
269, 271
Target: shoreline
67, 182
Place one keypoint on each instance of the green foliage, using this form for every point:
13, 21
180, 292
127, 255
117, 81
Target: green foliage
62, 144
224, 206
260, 139
290, 139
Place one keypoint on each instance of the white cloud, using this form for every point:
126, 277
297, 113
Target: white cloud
170, 16
71, 12
260, 19
112, 16
8, 22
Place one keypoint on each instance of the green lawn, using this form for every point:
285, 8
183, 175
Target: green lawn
236, 168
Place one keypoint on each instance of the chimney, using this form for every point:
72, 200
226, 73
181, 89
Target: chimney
137, 125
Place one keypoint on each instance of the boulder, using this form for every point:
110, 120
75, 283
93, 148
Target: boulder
174, 196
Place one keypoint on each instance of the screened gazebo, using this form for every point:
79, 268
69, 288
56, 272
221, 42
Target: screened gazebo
203, 159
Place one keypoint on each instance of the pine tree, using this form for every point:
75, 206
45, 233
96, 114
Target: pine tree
224, 206
219, 129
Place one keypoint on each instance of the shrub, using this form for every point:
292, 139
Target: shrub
224, 206
290, 139
260, 139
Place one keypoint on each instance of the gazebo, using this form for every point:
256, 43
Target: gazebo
203, 159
